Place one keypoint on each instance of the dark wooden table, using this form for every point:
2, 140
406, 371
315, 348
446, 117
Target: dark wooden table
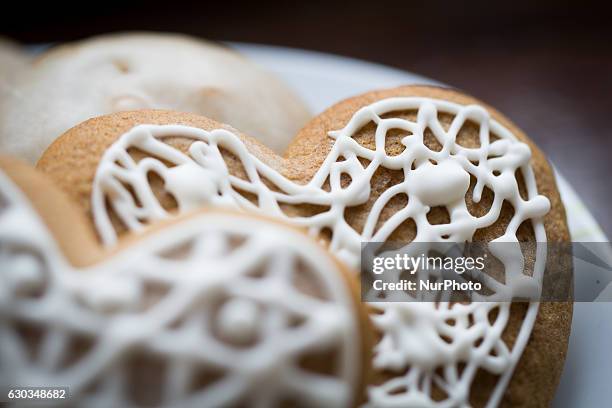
546, 65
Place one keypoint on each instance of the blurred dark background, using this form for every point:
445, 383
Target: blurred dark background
546, 64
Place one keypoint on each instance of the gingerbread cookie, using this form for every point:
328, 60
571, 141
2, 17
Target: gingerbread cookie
120, 72
212, 309
412, 164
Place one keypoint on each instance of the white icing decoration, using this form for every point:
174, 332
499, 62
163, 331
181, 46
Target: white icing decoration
412, 331
109, 304
238, 320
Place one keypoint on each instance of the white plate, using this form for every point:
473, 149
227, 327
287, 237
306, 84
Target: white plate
323, 79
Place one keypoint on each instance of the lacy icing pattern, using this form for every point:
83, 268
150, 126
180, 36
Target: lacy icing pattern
213, 311
415, 341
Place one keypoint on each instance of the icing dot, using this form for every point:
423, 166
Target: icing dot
24, 271
541, 206
238, 320
110, 293
440, 184
192, 185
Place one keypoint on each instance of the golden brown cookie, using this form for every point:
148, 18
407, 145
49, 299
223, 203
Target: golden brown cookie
411, 163
213, 308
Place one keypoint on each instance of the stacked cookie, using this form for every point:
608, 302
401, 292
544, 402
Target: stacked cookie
73, 82
186, 258
212, 309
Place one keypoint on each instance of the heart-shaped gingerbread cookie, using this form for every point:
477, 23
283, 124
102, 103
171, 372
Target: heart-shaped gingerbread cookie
213, 309
411, 164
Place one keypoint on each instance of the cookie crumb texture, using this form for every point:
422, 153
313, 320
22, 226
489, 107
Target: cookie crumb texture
411, 163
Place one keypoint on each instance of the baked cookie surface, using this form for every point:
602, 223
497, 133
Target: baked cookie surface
371, 168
